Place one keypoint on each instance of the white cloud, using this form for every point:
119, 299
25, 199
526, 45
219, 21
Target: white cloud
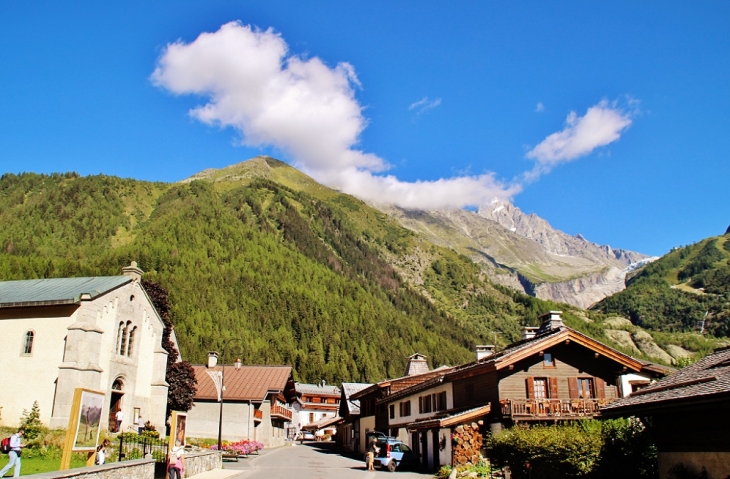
251, 82
540, 107
424, 105
601, 125
305, 108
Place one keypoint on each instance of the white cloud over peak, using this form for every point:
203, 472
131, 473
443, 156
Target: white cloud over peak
251, 82
601, 125
305, 108
540, 107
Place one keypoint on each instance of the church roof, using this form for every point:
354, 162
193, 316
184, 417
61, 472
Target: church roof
250, 383
56, 291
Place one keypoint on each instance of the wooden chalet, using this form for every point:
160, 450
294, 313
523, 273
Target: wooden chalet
553, 374
558, 374
689, 413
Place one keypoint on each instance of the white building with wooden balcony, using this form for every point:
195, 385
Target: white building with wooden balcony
255, 403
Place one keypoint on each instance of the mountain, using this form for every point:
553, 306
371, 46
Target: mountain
524, 252
687, 289
303, 274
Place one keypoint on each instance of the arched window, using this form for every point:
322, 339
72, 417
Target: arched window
125, 333
28, 343
131, 341
120, 335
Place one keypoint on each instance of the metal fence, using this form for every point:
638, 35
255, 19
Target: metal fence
138, 449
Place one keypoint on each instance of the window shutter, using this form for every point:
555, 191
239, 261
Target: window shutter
420, 404
573, 388
600, 388
553, 388
530, 388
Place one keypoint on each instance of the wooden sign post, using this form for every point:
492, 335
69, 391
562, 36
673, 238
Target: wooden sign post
84, 424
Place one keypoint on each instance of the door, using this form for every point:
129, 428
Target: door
424, 449
435, 444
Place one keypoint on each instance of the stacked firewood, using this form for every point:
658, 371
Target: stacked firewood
466, 444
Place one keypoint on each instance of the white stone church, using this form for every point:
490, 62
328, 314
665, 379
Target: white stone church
98, 333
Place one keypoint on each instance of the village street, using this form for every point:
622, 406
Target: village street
311, 461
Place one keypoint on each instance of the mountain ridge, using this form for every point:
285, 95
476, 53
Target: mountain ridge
305, 275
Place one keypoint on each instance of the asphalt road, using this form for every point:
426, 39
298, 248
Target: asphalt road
312, 460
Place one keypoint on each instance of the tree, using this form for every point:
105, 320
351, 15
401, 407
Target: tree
30, 421
183, 386
180, 375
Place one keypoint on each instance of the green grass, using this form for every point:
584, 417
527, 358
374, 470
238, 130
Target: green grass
36, 465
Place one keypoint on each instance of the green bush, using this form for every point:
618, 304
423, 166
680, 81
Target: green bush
590, 449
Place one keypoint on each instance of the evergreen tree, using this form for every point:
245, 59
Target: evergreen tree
30, 421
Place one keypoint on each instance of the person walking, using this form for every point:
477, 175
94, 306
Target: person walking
119, 416
176, 461
14, 454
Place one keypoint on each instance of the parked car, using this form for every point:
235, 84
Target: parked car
308, 436
395, 454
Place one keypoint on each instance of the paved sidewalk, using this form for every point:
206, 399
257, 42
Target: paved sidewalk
234, 470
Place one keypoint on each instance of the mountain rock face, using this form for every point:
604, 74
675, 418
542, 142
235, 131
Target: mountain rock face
554, 241
524, 252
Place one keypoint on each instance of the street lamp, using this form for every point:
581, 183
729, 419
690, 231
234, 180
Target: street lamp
237, 365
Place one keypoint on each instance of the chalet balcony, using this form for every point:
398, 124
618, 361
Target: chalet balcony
258, 415
551, 409
280, 412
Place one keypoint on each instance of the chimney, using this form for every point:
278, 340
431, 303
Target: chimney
484, 351
133, 272
529, 332
551, 321
212, 359
416, 365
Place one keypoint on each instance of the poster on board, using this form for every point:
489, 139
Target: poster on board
89, 421
178, 422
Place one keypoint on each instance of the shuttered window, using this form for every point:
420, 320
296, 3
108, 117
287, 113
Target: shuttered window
583, 388
542, 388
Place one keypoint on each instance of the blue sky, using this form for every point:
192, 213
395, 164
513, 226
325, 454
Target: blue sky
607, 120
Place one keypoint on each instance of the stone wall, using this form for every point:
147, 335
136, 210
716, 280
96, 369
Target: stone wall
195, 463
138, 469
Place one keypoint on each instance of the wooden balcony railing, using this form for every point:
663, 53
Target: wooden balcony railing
551, 408
281, 412
258, 414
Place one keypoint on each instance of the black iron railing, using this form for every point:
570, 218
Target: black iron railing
139, 447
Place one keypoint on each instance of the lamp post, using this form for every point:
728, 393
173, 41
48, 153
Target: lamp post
237, 365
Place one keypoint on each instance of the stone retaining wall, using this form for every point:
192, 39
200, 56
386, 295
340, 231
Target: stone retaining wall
195, 463
139, 468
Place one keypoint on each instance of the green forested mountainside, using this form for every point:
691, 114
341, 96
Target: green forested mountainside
680, 290
302, 273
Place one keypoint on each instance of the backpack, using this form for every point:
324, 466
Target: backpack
5, 445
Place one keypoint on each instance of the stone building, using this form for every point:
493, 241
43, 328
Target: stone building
98, 333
